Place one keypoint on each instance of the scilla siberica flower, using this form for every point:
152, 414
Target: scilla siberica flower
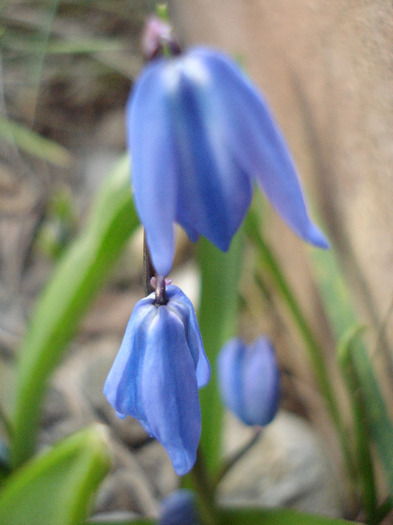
157, 372
200, 134
249, 380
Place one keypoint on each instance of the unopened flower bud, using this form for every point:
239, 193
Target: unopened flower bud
249, 380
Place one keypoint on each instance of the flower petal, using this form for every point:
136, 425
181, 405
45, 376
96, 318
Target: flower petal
249, 380
123, 384
213, 191
229, 367
180, 303
257, 143
169, 390
260, 383
154, 165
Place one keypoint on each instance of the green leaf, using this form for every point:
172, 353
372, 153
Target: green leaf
362, 443
220, 274
33, 44
271, 266
333, 290
88, 45
79, 275
34, 143
375, 414
275, 517
56, 488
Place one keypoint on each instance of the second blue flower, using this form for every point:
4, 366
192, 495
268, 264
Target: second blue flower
157, 372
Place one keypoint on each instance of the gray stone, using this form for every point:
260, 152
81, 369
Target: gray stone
126, 488
77, 395
158, 468
287, 467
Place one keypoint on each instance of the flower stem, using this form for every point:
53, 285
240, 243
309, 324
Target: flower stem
150, 273
204, 489
148, 268
160, 290
220, 273
231, 461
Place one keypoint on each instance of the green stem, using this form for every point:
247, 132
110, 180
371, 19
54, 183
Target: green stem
315, 355
204, 489
227, 465
218, 322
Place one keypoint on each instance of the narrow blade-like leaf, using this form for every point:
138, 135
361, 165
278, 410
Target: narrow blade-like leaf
79, 275
56, 488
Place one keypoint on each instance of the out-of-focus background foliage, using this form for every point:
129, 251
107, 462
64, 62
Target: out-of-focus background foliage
66, 68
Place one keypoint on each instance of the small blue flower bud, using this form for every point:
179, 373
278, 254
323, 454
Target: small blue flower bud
248, 379
200, 135
179, 509
157, 372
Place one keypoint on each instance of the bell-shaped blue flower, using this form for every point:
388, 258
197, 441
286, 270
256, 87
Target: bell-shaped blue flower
200, 134
179, 508
248, 379
157, 372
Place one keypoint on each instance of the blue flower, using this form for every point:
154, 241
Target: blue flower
249, 380
157, 372
200, 134
179, 508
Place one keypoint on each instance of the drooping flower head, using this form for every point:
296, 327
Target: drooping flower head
157, 372
200, 135
248, 379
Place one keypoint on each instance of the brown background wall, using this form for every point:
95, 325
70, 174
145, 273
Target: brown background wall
327, 71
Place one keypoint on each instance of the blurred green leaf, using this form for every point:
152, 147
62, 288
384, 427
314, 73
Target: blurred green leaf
34, 143
220, 273
375, 414
275, 517
32, 44
59, 226
270, 265
362, 443
81, 272
88, 45
56, 488
334, 292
